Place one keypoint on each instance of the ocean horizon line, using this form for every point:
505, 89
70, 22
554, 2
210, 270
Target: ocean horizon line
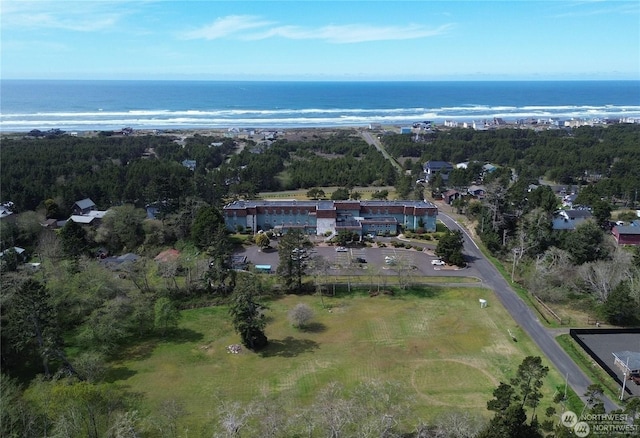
318, 80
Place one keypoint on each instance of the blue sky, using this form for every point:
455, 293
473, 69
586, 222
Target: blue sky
320, 40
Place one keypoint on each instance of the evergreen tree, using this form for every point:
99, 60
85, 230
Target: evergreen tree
220, 275
294, 259
585, 244
510, 401
528, 381
450, 247
206, 227
74, 239
621, 308
247, 314
33, 326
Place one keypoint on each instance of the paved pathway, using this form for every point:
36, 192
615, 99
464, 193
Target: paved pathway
376, 143
523, 315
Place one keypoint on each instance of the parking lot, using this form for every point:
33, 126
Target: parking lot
603, 343
363, 260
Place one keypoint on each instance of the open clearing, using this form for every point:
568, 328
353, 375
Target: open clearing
439, 344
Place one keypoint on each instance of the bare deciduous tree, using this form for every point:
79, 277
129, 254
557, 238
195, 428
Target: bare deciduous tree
234, 418
335, 413
458, 424
602, 276
300, 315
167, 422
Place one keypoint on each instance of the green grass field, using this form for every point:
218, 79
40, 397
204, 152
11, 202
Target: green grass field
445, 351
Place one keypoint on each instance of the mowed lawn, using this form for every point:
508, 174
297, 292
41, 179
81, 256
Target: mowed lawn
441, 346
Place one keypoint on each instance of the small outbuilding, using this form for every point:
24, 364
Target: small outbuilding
626, 234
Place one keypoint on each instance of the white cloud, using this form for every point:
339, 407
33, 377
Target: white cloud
84, 16
600, 7
226, 26
254, 28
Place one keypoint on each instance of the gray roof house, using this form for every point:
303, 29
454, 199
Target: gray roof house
570, 219
83, 206
433, 166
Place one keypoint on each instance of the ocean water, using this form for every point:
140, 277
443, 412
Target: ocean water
105, 105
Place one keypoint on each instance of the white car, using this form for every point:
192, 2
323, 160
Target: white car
390, 260
341, 249
438, 262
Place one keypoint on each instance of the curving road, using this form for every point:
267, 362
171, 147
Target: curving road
523, 314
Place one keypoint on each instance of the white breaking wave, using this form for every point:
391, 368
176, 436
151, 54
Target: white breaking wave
307, 117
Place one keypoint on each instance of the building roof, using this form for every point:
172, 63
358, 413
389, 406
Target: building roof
577, 214
81, 219
489, 167
324, 205
114, 262
475, 188
85, 203
435, 164
627, 229
560, 223
167, 256
4, 212
17, 249
630, 359
98, 214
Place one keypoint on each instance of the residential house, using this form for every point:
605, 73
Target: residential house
478, 192
50, 224
84, 213
18, 250
169, 255
570, 219
189, 164
5, 211
118, 262
451, 195
489, 168
432, 167
569, 200
479, 125
83, 206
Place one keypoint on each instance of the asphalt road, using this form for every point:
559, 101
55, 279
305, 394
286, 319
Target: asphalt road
523, 315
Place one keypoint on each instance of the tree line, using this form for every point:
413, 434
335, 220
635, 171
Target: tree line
608, 158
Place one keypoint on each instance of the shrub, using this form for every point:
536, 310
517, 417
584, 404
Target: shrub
300, 315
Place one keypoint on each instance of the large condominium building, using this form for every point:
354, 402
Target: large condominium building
324, 217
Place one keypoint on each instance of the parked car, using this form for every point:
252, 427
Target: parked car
341, 249
438, 262
390, 260
359, 260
